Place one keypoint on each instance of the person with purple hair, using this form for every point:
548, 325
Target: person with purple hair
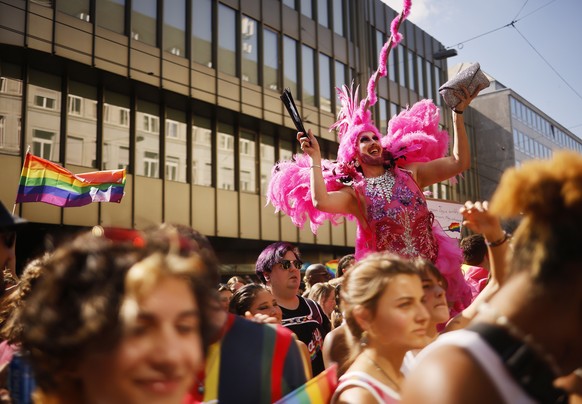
278, 267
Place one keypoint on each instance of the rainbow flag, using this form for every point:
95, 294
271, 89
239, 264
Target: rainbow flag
44, 181
318, 390
454, 226
331, 266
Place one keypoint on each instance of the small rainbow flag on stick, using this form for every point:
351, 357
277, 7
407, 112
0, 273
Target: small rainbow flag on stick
318, 390
454, 226
44, 181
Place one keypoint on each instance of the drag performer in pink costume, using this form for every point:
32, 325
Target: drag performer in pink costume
378, 180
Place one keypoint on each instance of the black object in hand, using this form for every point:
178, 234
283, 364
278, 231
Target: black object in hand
287, 99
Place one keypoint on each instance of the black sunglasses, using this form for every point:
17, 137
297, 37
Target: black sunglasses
8, 238
286, 264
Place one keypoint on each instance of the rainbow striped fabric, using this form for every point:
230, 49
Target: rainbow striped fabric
44, 181
318, 390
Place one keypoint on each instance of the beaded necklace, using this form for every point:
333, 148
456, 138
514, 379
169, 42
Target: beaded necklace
381, 185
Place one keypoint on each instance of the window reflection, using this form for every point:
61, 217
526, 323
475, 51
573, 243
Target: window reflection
340, 80
322, 13
338, 17
324, 83
175, 145
383, 106
290, 57
82, 125
115, 131
147, 146
175, 27
201, 151
308, 74
411, 71
226, 40
110, 14
79, 9
10, 107
267, 161
225, 156
271, 59
420, 69
249, 52
143, 21
44, 115
307, 8
285, 150
202, 32
247, 142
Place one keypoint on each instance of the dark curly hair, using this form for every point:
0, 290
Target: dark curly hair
474, 249
243, 298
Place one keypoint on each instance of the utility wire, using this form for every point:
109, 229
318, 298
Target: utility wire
548, 63
460, 44
521, 9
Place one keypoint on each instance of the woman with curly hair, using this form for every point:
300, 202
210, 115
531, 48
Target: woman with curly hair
116, 322
529, 333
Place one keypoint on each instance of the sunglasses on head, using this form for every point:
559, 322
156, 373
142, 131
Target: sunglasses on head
286, 264
8, 238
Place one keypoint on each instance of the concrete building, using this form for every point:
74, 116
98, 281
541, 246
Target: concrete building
185, 94
508, 130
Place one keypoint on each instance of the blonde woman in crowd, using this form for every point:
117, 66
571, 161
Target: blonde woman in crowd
382, 300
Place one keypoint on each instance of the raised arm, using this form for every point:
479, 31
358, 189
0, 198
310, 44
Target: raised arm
342, 201
460, 160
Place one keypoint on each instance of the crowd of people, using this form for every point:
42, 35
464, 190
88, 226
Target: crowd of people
126, 316
413, 316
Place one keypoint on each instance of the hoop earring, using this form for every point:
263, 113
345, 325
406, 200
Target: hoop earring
364, 339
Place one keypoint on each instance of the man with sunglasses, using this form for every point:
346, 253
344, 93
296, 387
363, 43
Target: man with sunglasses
278, 266
8, 226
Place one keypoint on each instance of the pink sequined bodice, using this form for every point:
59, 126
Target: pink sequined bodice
398, 219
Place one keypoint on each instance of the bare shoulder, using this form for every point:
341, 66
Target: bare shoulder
356, 394
449, 375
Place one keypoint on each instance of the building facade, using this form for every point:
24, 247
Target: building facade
185, 95
509, 130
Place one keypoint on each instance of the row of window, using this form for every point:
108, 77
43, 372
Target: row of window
221, 154
529, 146
535, 121
328, 19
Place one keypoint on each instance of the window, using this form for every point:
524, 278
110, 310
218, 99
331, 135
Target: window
45, 102
201, 151
151, 163
150, 123
437, 83
383, 106
429, 84
143, 21
420, 69
247, 163
175, 27
308, 74
202, 32
338, 17
267, 161
147, 142
225, 156
324, 83
10, 107
226, 40
10, 86
307, 8
176, 146
42, 143
340, 80
78, 8
285, 150
81, 131
172, 164
289, 3
322, 13
411, 71
379, 45
75, 105
115, 131
110, 14
171, 128
43, 114
249, 52
290, 58
271, 60
400, 69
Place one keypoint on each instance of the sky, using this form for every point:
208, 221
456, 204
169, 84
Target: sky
552, 27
